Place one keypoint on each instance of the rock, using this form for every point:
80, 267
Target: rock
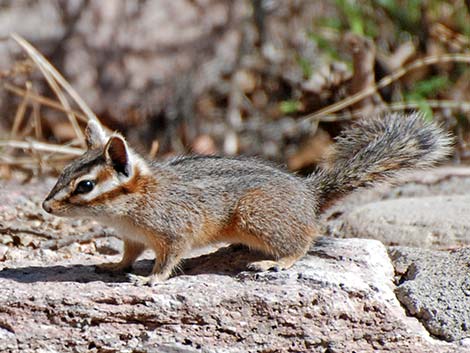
427, 222
435, 288
338, 298
424, 209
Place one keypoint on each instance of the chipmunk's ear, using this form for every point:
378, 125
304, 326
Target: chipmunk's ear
94, 135
117, 154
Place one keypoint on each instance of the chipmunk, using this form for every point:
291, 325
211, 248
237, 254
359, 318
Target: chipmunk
174, 206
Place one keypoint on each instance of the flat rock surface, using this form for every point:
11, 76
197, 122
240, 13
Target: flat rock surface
428, 222
339, 298
429, 211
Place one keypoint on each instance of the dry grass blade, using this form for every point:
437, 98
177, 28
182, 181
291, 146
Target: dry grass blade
397, 106
154, 149
19, 116
16, 161
57, 76
430, 60
30, 162
43, 100
45, 68
432, 103
41, 146
37, 120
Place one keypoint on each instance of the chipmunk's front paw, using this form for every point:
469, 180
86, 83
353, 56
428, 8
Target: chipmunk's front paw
113, 267
144, 281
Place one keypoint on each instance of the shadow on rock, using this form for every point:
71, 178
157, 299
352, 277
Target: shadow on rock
226, 261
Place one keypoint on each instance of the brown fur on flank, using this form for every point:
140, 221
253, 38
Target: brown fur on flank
174, 206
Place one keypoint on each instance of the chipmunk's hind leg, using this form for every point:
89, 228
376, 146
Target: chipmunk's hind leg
277, 265
283, 228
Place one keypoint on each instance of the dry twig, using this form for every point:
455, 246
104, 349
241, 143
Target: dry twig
429, 60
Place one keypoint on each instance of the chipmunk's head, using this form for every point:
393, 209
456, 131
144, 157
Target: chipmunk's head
90, 184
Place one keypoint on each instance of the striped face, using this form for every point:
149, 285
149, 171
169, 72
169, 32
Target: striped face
90, 184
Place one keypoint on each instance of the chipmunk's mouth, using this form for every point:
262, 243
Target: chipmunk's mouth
51, 206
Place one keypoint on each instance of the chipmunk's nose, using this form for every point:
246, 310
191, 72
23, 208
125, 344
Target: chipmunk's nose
46, 206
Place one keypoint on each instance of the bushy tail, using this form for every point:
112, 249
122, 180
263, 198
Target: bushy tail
375, 150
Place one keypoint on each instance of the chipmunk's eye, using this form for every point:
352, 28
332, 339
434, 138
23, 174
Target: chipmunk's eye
84, 187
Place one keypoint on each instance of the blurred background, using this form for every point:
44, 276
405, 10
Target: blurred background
272, 78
